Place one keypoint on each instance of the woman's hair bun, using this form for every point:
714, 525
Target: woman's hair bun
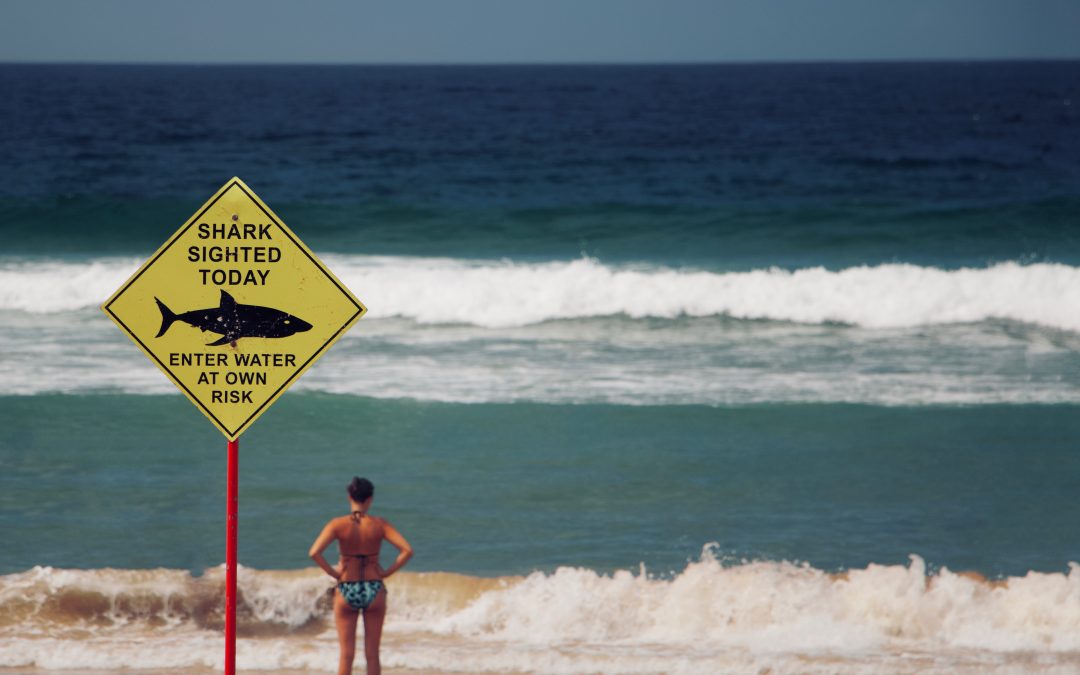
360, 489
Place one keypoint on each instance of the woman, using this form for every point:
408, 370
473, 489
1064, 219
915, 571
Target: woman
360, 578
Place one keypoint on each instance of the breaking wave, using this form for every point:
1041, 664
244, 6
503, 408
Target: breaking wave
506, 293
714, 614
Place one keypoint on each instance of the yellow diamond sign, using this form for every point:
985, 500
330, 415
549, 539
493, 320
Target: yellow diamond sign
234, 308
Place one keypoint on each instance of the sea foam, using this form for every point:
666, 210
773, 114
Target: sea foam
507, 293
714, 614
583, 331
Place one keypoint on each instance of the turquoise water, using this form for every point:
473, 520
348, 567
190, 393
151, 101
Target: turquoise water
139, 481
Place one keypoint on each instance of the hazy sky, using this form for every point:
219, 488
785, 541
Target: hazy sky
519, 31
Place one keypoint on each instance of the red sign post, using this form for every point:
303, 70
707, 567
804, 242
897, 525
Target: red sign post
231, 526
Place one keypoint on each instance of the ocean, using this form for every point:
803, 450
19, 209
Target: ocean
680, 369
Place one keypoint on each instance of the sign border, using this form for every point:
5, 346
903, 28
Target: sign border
235, 182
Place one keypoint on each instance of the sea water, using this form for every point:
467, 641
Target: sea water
667, 369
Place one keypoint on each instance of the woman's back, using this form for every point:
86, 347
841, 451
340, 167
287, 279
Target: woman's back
359, 540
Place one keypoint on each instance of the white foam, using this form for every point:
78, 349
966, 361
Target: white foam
494, 294
507, 293
58, 286
620, 361
780, 607
448, 330
709, 617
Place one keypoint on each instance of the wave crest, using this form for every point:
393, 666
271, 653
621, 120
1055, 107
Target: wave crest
885, 296
506, 294
715, 615
715, 602
772, 606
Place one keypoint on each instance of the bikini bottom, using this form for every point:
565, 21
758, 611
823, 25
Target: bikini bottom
360, 594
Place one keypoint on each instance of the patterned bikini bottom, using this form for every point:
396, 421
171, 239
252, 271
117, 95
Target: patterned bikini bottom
360, 594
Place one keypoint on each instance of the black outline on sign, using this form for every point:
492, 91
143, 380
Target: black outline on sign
194, 219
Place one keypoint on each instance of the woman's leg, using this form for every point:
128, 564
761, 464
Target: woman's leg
345, 618
373, 622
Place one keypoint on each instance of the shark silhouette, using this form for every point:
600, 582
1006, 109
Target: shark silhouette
233, 321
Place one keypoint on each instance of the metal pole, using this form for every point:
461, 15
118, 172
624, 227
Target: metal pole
230, 559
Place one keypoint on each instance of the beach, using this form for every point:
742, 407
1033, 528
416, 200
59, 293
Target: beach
755, 368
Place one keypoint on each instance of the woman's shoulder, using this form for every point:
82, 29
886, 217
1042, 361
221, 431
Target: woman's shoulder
338, 522
379, 521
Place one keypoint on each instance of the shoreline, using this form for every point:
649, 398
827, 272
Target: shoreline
751, 617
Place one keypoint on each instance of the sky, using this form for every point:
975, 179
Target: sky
534, 31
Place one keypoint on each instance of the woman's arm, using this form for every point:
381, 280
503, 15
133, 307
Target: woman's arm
325, 538
395, 538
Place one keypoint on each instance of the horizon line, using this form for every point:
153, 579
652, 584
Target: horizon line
515, 64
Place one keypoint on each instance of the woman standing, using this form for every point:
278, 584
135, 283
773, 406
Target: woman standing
360, 577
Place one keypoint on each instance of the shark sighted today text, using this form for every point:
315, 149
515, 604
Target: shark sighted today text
224, 276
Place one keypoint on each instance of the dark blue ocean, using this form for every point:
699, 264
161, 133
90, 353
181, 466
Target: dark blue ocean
724, 326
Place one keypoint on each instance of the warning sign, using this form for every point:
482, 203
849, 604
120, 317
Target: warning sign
234, 308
